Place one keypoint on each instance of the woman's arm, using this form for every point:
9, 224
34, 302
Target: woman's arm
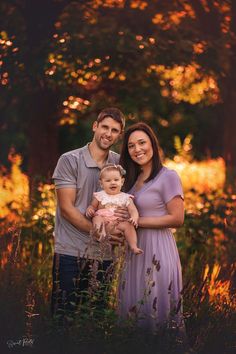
174, 218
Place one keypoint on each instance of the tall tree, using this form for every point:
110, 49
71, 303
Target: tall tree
36, 103
157, 60
210, 27
216, 25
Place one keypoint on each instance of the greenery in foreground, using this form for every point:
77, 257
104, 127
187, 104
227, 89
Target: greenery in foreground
207, 248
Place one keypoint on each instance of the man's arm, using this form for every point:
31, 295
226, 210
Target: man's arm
66, 203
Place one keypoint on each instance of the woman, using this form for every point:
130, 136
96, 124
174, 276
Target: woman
151, 284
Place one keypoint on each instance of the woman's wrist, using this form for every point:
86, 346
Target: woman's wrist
140, 219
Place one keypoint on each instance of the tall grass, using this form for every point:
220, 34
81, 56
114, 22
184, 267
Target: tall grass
207, 249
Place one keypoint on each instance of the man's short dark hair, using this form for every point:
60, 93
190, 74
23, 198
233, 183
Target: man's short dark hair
114, 113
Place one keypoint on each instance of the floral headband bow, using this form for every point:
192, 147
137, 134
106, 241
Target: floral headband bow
111, 166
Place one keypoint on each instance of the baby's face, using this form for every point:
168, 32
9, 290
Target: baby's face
111, 181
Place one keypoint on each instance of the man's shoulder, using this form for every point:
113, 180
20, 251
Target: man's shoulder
69, 165
73, 154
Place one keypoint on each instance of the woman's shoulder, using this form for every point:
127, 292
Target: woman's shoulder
169, 172
166, 175
171, 185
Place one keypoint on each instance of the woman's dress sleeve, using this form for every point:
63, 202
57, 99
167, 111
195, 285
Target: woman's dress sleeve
172, 186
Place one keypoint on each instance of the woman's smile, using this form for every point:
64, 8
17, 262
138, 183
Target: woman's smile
139, 156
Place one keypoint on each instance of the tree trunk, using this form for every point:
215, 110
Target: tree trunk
230, 136
43, 135
230, 110
42, 102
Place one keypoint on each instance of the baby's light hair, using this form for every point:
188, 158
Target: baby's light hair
114, 167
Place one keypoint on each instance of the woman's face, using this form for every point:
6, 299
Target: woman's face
140, 148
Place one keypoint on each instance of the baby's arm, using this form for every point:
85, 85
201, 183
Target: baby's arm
134, 215
91, 209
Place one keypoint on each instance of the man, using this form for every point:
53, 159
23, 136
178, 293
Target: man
76, 177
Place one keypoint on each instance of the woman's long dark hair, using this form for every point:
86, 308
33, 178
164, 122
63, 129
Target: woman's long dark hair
131, 167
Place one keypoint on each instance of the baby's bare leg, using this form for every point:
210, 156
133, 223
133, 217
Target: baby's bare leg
99, 226
130, 235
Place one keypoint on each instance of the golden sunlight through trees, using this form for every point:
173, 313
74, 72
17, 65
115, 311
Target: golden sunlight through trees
14, 189
205, 176
186, 83
171, 64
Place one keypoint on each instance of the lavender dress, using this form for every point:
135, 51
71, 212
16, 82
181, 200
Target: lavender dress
151, 283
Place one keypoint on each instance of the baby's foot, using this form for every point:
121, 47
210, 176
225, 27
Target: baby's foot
136, 250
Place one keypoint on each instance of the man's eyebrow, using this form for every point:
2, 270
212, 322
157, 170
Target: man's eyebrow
106, 126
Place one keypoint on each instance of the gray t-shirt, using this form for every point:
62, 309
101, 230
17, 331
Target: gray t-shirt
76, 169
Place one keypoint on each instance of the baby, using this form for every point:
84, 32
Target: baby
106, 201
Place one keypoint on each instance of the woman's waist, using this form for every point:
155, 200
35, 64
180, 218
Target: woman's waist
164, 231
152, 213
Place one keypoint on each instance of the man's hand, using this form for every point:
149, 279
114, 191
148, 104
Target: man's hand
122, 214
116, 236
98, 233
116, 239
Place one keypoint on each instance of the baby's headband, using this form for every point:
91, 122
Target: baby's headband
114, 166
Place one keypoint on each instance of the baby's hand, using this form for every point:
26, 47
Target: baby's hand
134, 221
90, 211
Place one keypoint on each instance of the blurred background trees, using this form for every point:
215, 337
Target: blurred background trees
171, 64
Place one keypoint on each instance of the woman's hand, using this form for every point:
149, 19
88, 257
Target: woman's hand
122, 214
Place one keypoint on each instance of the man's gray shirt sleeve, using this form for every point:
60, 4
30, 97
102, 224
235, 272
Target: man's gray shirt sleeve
65, 174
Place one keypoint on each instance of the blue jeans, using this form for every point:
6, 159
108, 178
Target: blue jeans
72, 277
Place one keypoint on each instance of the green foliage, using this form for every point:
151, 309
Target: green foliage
105, 53
208, 235
207, 238
184, 149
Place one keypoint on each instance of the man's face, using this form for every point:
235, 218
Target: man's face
106, 133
